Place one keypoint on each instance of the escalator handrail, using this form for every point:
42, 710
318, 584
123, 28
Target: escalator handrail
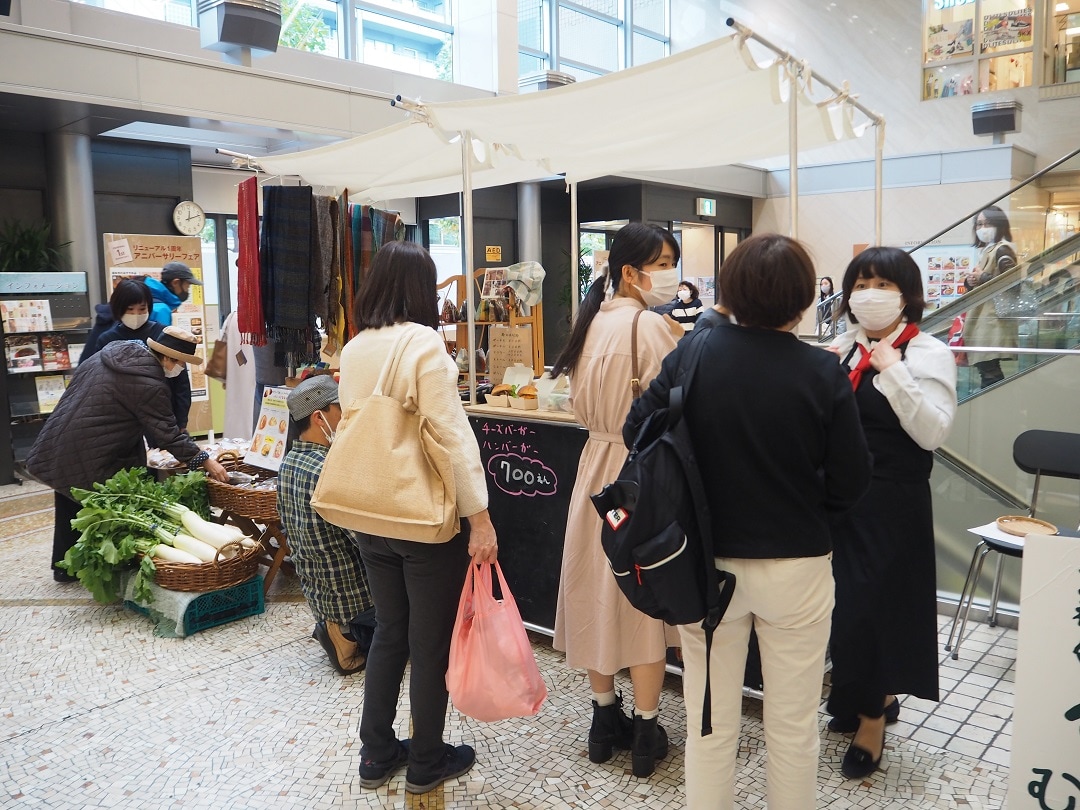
1013, 190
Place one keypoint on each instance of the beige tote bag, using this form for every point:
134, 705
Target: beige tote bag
387, 472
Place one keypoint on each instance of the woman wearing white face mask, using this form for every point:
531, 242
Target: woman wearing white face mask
983, 327
595, 625
884, 633
130, 304
685, 308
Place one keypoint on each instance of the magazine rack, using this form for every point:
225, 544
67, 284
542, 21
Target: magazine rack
45, 315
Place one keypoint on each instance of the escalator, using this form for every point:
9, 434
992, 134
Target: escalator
974, 479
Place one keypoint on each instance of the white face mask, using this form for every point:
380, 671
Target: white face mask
664, 285
684, 296
876, 309
175, 371
133, 320
986, 235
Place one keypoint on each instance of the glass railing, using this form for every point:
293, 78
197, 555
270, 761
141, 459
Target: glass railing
1015, 322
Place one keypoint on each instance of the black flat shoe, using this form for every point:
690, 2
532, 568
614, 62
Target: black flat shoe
849, 725
858, 763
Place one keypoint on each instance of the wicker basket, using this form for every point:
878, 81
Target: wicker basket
259, 505
210, 576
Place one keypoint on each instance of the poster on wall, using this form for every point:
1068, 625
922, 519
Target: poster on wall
138, 255
944, 268
1007, 29
950, 40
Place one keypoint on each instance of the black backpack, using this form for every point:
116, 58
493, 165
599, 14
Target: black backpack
656, 526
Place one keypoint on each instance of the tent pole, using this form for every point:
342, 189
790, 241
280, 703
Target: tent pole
467, 257
879, 150
793, 147
575, 252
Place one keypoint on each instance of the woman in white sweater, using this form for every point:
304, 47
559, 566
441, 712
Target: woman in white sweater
415, 586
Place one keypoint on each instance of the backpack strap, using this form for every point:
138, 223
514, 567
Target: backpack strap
719, 585
635, 375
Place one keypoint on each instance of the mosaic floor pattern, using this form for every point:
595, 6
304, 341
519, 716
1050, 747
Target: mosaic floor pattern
99, 712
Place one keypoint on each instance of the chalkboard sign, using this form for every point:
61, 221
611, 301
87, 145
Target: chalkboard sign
531, 468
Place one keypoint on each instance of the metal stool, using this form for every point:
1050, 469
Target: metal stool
1039, 452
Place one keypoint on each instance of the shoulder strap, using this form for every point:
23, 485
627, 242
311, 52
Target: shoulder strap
393, 360
635, 375
684, 375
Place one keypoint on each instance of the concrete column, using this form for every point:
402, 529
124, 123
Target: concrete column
71, 205
528, 222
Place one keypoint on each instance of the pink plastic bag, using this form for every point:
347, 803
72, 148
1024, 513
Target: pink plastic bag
492, 674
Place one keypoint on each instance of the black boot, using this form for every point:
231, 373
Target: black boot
650, 745
610, 729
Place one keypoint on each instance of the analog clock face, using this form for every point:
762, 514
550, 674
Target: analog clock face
189, 218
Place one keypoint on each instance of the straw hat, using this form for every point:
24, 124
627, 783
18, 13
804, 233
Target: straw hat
177, 344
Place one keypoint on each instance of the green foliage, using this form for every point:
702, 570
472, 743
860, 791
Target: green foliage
117, 523
26, 248
302, 27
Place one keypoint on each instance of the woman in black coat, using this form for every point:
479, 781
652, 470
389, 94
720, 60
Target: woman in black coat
97, 429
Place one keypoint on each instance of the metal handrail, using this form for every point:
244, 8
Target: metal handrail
998, 199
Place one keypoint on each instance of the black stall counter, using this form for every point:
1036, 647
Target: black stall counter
530, 459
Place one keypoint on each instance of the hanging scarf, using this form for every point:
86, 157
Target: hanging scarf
286, 269
335, 313
322, 244
910, 331
249, 314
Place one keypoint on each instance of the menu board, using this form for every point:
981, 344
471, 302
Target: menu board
944, 268
50, 388
271, 430
508, 345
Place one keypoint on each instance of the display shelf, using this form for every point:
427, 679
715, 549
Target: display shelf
21, 415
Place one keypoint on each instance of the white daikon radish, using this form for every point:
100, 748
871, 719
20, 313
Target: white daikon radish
163, 551
213, 534
204, 551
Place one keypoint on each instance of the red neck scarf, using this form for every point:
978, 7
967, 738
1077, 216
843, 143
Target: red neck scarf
910, 331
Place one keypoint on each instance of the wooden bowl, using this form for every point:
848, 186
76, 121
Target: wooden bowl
1022, 525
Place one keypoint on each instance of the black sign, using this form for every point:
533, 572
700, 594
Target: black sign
531, 468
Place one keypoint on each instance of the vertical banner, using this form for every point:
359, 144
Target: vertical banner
1044, 769
137, 255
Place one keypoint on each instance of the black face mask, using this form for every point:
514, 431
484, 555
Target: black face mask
182, 294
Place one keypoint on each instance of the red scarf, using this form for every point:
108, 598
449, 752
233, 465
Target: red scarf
910, 331
249, 311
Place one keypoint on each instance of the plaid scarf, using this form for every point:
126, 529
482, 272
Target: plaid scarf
249, 314
286, 268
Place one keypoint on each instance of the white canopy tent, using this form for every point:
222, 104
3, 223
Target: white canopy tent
714, 105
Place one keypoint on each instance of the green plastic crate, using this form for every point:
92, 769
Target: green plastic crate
217, 607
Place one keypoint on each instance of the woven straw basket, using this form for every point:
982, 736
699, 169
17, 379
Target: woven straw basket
209, 576
256, 504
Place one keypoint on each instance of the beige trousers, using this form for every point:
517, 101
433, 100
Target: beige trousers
789, 602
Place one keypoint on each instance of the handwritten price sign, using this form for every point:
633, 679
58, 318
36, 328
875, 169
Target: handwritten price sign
517, 475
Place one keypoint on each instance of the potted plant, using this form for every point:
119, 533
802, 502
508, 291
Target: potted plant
26, 248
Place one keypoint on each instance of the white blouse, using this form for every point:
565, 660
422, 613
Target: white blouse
921, 388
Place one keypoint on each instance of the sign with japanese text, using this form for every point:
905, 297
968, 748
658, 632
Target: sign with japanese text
1044, 770
271, 431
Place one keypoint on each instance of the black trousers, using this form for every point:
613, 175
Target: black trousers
416, 588
64, 537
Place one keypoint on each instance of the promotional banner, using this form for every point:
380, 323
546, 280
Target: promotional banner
138, 255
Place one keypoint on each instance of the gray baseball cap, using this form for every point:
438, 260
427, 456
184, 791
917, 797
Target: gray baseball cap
313, 394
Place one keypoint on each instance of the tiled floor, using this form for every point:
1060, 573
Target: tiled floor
96, 711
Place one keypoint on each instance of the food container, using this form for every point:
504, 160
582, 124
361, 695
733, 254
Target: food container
524, 403
497, 400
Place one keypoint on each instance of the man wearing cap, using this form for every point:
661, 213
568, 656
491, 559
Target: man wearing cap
326, 556
115, 397
171, 291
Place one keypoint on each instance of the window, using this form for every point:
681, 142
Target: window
976, 46
1062, 48
419, 42
593, 37
310, 25
173, 11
